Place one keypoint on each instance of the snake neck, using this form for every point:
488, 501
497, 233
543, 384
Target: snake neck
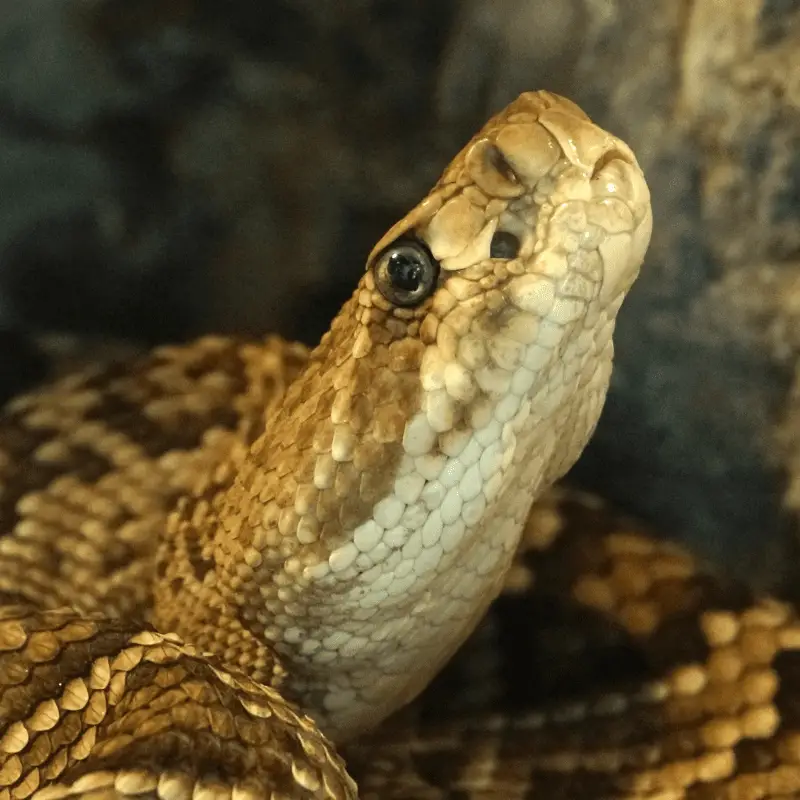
354, 539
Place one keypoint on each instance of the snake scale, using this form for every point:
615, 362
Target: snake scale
227, 564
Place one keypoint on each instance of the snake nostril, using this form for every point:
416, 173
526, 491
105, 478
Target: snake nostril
497, 161
488, 166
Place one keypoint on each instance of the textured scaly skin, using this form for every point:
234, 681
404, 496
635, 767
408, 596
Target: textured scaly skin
370, 526
343, 520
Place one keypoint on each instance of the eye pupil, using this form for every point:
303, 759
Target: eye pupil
405, 271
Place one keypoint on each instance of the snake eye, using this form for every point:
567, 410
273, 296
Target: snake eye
406, 273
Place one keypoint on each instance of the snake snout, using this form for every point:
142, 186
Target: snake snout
621, 211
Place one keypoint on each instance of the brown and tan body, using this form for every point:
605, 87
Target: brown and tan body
203, 547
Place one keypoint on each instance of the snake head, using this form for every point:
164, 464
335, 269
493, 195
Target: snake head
525, 249
549, 193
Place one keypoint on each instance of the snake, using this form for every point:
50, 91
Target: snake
241, 568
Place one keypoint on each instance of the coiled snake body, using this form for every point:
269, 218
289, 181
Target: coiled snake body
227, 559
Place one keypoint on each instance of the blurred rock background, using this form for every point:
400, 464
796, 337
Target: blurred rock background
173, 168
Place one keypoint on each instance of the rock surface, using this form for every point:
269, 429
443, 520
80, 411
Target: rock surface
174, 168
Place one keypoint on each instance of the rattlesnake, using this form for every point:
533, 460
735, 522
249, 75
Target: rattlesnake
227, 563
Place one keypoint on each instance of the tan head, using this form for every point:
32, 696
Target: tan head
382, 506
